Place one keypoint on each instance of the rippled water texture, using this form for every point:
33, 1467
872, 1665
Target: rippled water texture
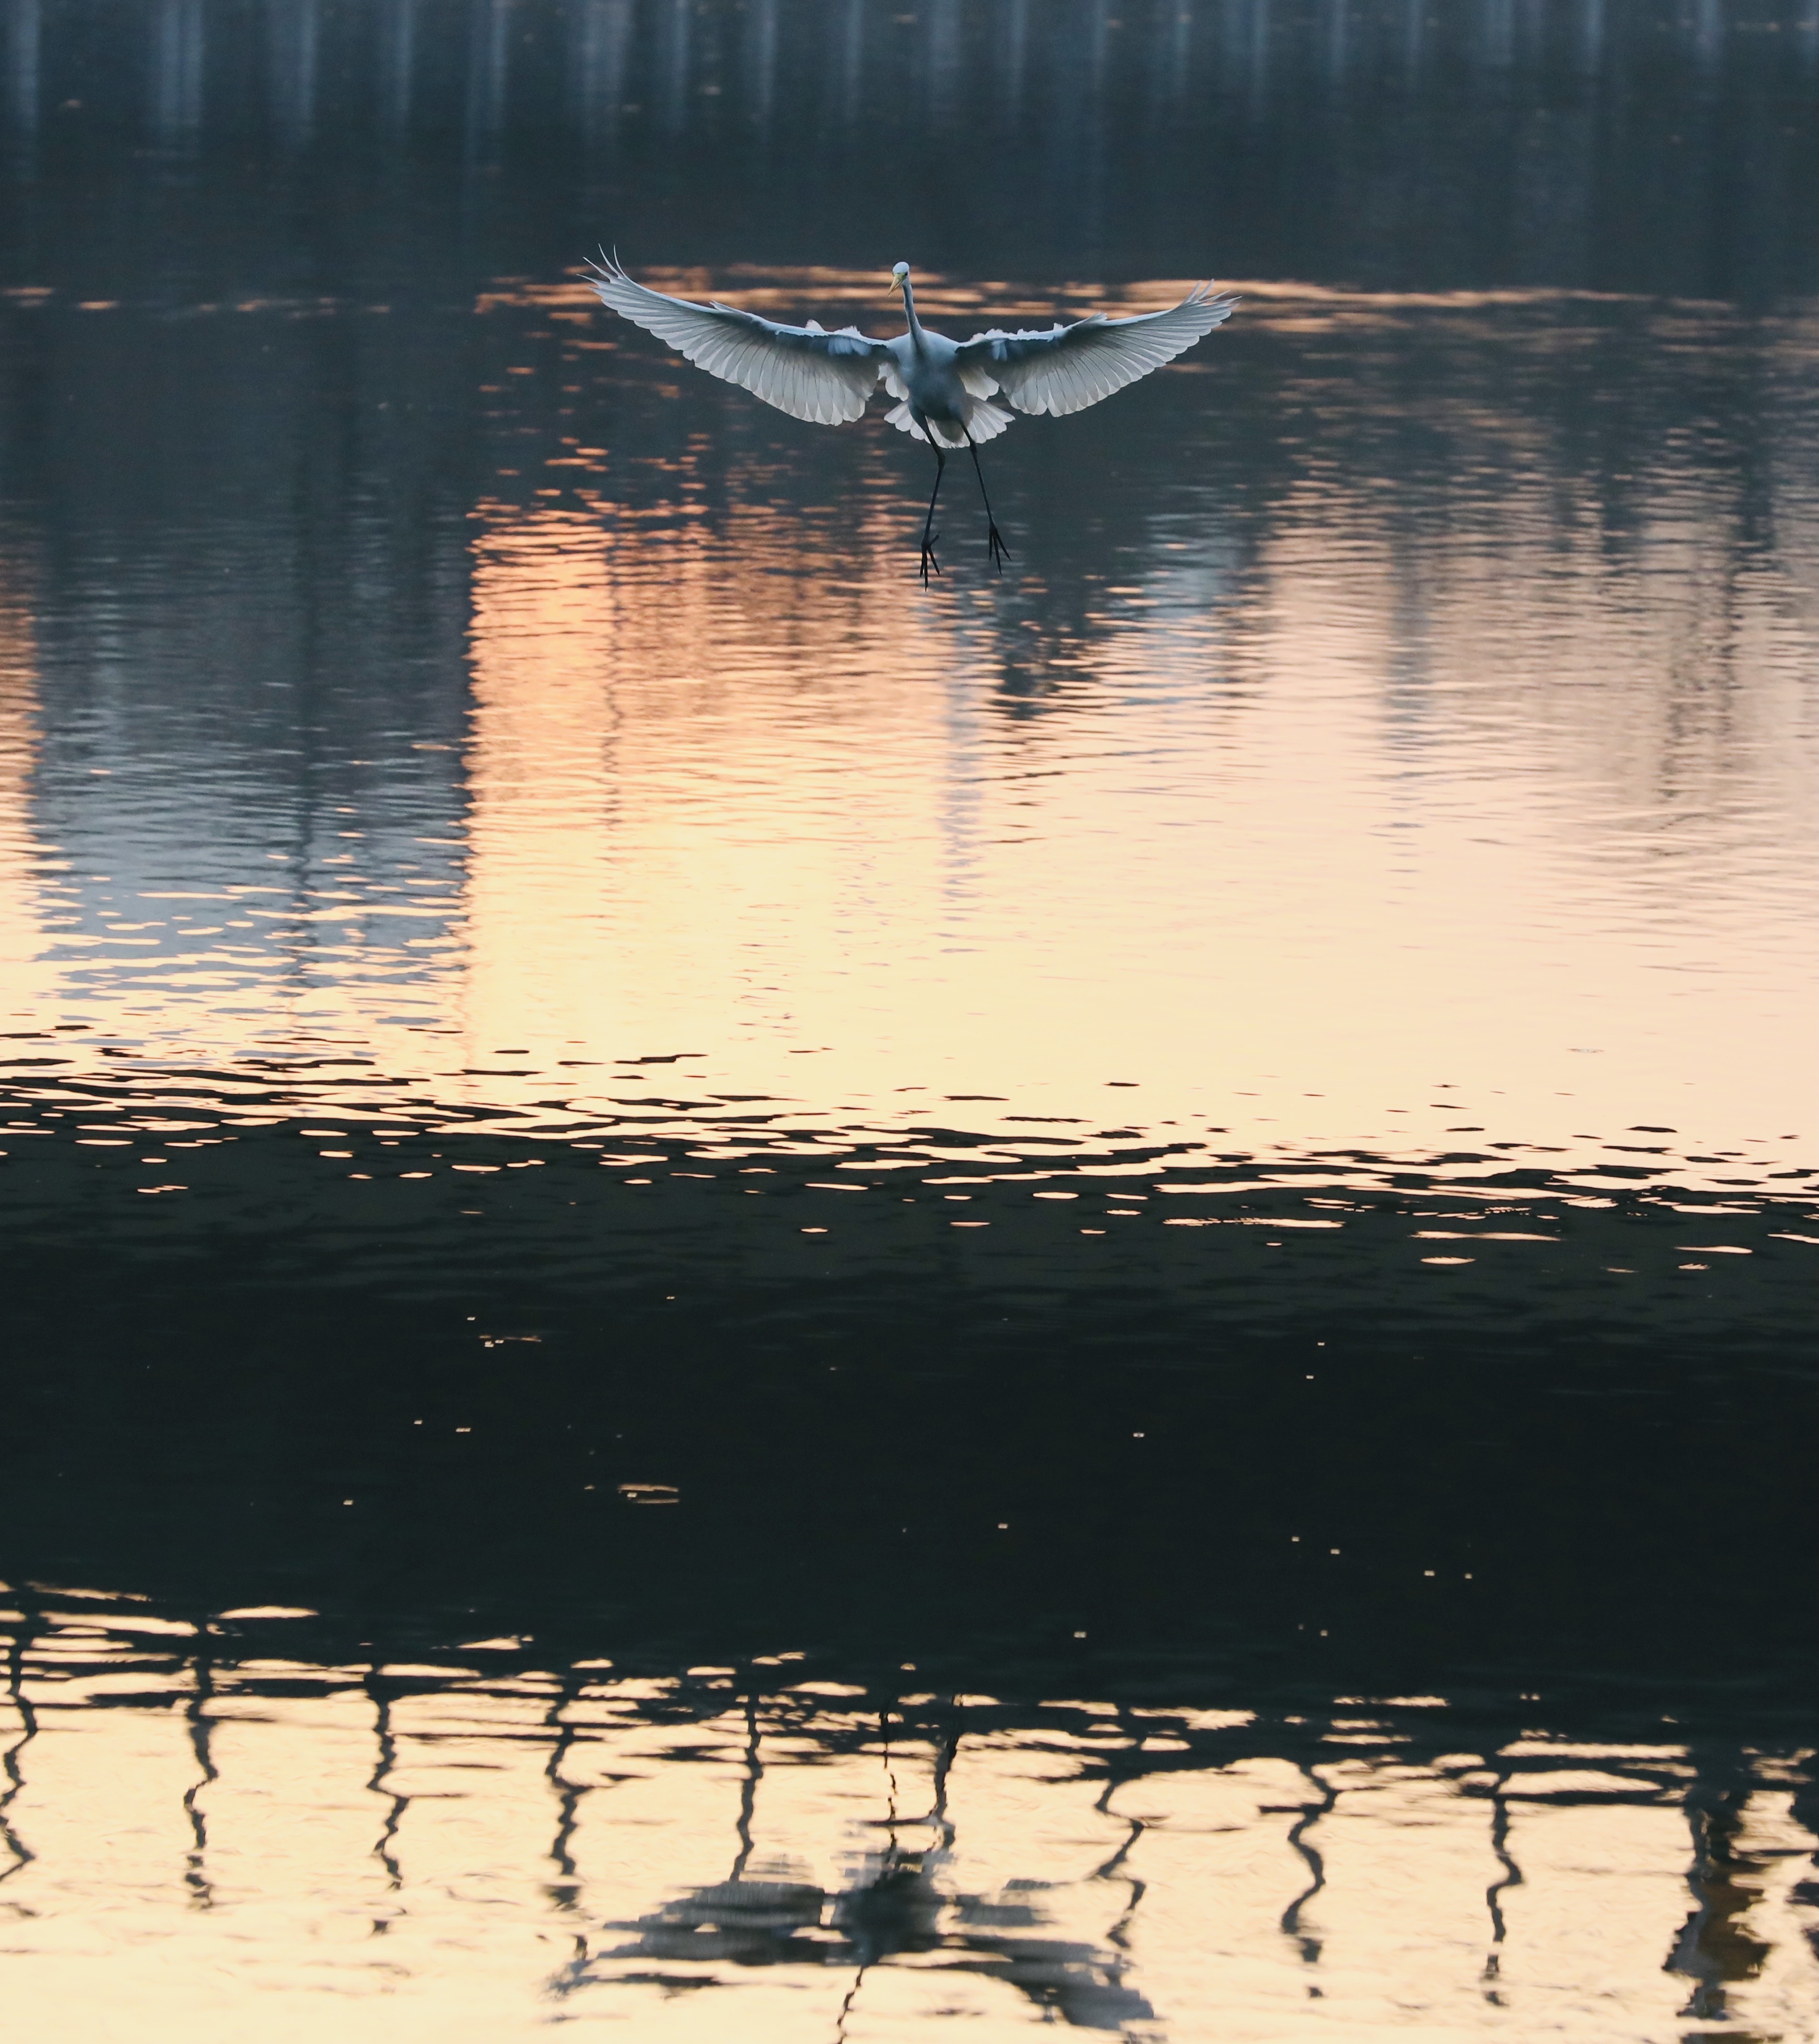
745, 1302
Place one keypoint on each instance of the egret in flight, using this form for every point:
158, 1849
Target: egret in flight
943, 387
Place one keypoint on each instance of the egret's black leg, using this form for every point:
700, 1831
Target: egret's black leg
929, 535
995, 544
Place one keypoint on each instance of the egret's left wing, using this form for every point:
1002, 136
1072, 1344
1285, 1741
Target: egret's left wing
1069, 368
804, 371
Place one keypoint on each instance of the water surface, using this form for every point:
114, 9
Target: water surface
744, 1299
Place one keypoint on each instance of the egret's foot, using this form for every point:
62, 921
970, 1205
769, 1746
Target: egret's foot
930, 564
995, 546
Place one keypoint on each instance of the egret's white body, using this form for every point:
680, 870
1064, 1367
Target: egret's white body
943, 387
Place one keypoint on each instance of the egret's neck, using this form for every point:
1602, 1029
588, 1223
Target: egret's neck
909, 313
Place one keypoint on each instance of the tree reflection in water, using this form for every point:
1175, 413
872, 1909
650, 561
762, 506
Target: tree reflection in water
1119, 1866
894, 1903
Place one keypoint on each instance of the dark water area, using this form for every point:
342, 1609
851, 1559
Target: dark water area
747, 1300
1658, 146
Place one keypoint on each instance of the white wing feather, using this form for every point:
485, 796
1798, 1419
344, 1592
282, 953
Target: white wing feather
1069, 368
824, 377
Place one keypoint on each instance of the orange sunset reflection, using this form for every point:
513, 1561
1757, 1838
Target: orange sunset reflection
1338, 815
1288, 847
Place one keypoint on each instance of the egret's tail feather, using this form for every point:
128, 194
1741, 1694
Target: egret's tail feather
984, 422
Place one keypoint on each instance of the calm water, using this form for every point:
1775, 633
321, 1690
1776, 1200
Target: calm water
741, 1302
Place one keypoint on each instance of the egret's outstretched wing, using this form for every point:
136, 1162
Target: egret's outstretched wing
825, 378
1069, 368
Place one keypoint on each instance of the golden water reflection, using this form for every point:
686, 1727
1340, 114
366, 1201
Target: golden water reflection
1395, 774
204, 1831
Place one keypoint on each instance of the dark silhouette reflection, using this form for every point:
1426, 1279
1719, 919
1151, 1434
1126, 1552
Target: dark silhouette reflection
1511, 1877
385, 1846
905, 1899
897, 1902
569, 1794
12, 1759
749, 1921
1716, 1948
748, 1790
1310, 1815
200, 1728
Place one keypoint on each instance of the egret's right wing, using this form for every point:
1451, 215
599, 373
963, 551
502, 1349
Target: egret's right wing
825, 378
1069, 368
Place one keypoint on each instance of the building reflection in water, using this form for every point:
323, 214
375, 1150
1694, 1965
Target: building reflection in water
795, 1855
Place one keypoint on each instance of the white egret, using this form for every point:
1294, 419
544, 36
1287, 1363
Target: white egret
943, 387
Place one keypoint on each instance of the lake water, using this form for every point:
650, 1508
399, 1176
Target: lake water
1249, 1474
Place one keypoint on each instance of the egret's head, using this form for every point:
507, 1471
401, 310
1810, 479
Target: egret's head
899, 275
